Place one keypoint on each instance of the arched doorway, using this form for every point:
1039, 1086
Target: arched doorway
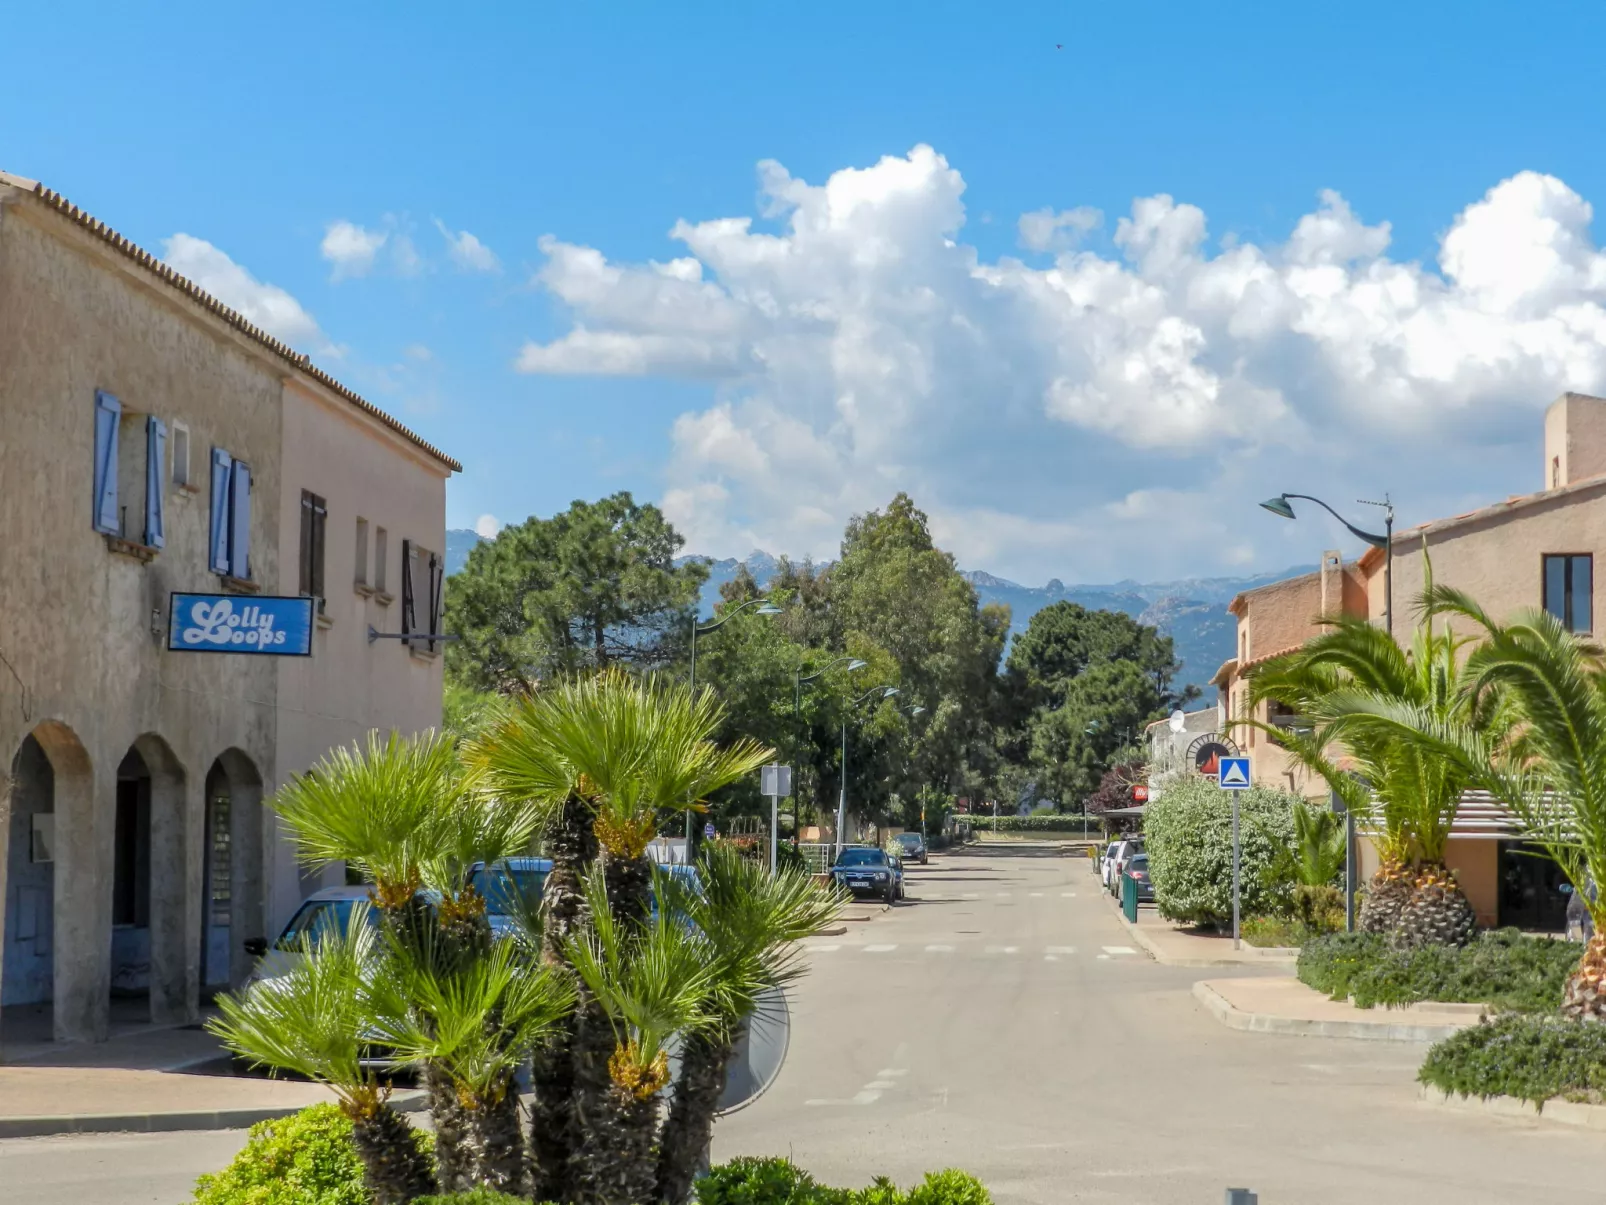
234, 883
150, 884
55, 931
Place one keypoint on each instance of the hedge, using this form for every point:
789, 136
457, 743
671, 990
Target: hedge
1187, 833
1534, 1058
1044, 822
773, 1181
1505, 968
304, 1159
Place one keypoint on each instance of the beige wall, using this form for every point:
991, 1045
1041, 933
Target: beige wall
349, 686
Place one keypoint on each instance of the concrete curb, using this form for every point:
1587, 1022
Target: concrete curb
1558, 1112
1234, 1018
160, 1123
1269, 956
833, 931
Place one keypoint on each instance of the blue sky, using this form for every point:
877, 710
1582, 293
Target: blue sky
1074, 398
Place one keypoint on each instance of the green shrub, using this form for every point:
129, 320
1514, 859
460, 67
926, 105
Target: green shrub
304, 1159
1503, 968
1276, 931
950, 1187
1187, 833
475, 1196
772, 1181
1038, 822
1531, 1057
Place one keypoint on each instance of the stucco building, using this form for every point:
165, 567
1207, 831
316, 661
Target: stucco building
1531, 550
154, 443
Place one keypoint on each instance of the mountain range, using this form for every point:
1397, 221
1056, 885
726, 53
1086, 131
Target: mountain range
1193, 611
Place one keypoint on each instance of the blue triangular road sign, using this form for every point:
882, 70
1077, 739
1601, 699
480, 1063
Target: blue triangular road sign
1234, 773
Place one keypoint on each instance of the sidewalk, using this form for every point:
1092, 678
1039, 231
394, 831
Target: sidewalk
149, 1080
1178, 946
1282, 1004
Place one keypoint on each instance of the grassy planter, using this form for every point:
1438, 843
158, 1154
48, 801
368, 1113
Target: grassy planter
1533, 1058
1504, 968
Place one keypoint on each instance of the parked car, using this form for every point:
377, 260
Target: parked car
1125, 851
896, 861
866, 871
325, 911
913, 846
1138, 871
1107, 863
511, 888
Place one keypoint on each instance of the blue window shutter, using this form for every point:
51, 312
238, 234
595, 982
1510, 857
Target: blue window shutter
222, 463
108, 413
240, 521
155, 479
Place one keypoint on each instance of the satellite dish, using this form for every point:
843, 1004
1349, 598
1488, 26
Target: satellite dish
1178, 721
760, 1050
755, 1063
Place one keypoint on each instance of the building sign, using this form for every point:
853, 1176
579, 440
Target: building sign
1140, 793
275, 626
1206, 753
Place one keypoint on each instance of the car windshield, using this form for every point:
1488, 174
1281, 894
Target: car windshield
1141, 862
316, 918
910, 840
509, 890
861, 857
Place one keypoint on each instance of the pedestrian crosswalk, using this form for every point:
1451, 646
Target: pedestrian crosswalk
981, 949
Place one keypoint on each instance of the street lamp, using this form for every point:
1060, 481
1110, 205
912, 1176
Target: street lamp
885, 692
765, 607
1280, 506
797, 700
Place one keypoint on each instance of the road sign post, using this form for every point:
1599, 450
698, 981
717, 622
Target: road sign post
775, 781
1233, 775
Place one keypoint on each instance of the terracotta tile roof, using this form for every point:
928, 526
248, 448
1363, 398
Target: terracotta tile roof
206, 301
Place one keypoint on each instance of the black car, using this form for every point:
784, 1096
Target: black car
866, 871
913, 845
1138, 868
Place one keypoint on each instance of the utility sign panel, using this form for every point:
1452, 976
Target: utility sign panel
1234, 775
776, 780
263, 625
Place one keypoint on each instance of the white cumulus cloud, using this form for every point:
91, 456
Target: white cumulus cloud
1113, 410
351, 248
268, 306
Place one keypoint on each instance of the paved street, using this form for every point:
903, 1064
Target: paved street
1002, 1023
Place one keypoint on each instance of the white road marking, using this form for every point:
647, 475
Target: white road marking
1119, 950
1037, 895
939, 949
886, 1071
1049, 958
831, 949
971, 895
1003, 895
879, 1084
1003, 949
1103, 955
866, 1097
1067, 895
879, 949
1061, 949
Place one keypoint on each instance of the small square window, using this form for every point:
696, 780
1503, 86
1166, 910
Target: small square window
1568, 587
360, 574
181, 455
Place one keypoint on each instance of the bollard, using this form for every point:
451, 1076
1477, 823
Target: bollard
1241, 1196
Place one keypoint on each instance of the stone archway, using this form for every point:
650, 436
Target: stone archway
233, 895
172, 976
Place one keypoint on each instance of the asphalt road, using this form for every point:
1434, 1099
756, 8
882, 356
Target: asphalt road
1000, 1022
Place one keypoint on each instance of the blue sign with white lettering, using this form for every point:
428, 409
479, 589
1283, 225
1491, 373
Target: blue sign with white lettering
274, 625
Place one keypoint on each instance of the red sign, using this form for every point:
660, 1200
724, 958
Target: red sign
1140, 793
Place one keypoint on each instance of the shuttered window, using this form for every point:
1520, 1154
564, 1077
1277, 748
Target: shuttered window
240, 521
408, 617
437, 593
108, 415
314, 517
222, 463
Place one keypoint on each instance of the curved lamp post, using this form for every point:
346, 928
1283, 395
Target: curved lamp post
1280, 506
885, 692
765, 607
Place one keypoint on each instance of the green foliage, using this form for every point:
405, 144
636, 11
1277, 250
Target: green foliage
475, 1196
1280, 932
304, 1159
775, 1181
1038, 822
1188, 836
1315, 857
587, 588
1534, 1058
1505, 969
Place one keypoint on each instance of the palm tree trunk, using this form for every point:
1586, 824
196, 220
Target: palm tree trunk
1386, 896
690, 1125
1438, 912
1585, 996
499, 1158
616, 1165
572, 847
395, 1170
453, 1136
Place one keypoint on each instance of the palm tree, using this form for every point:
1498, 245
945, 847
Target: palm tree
750, 921
475, 1024
1312, 864
648, 978
1409, 796
311, 1022
1548, 766
602, 755
403, 812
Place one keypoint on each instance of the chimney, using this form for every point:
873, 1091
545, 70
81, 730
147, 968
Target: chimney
1332, 583
1575, 440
